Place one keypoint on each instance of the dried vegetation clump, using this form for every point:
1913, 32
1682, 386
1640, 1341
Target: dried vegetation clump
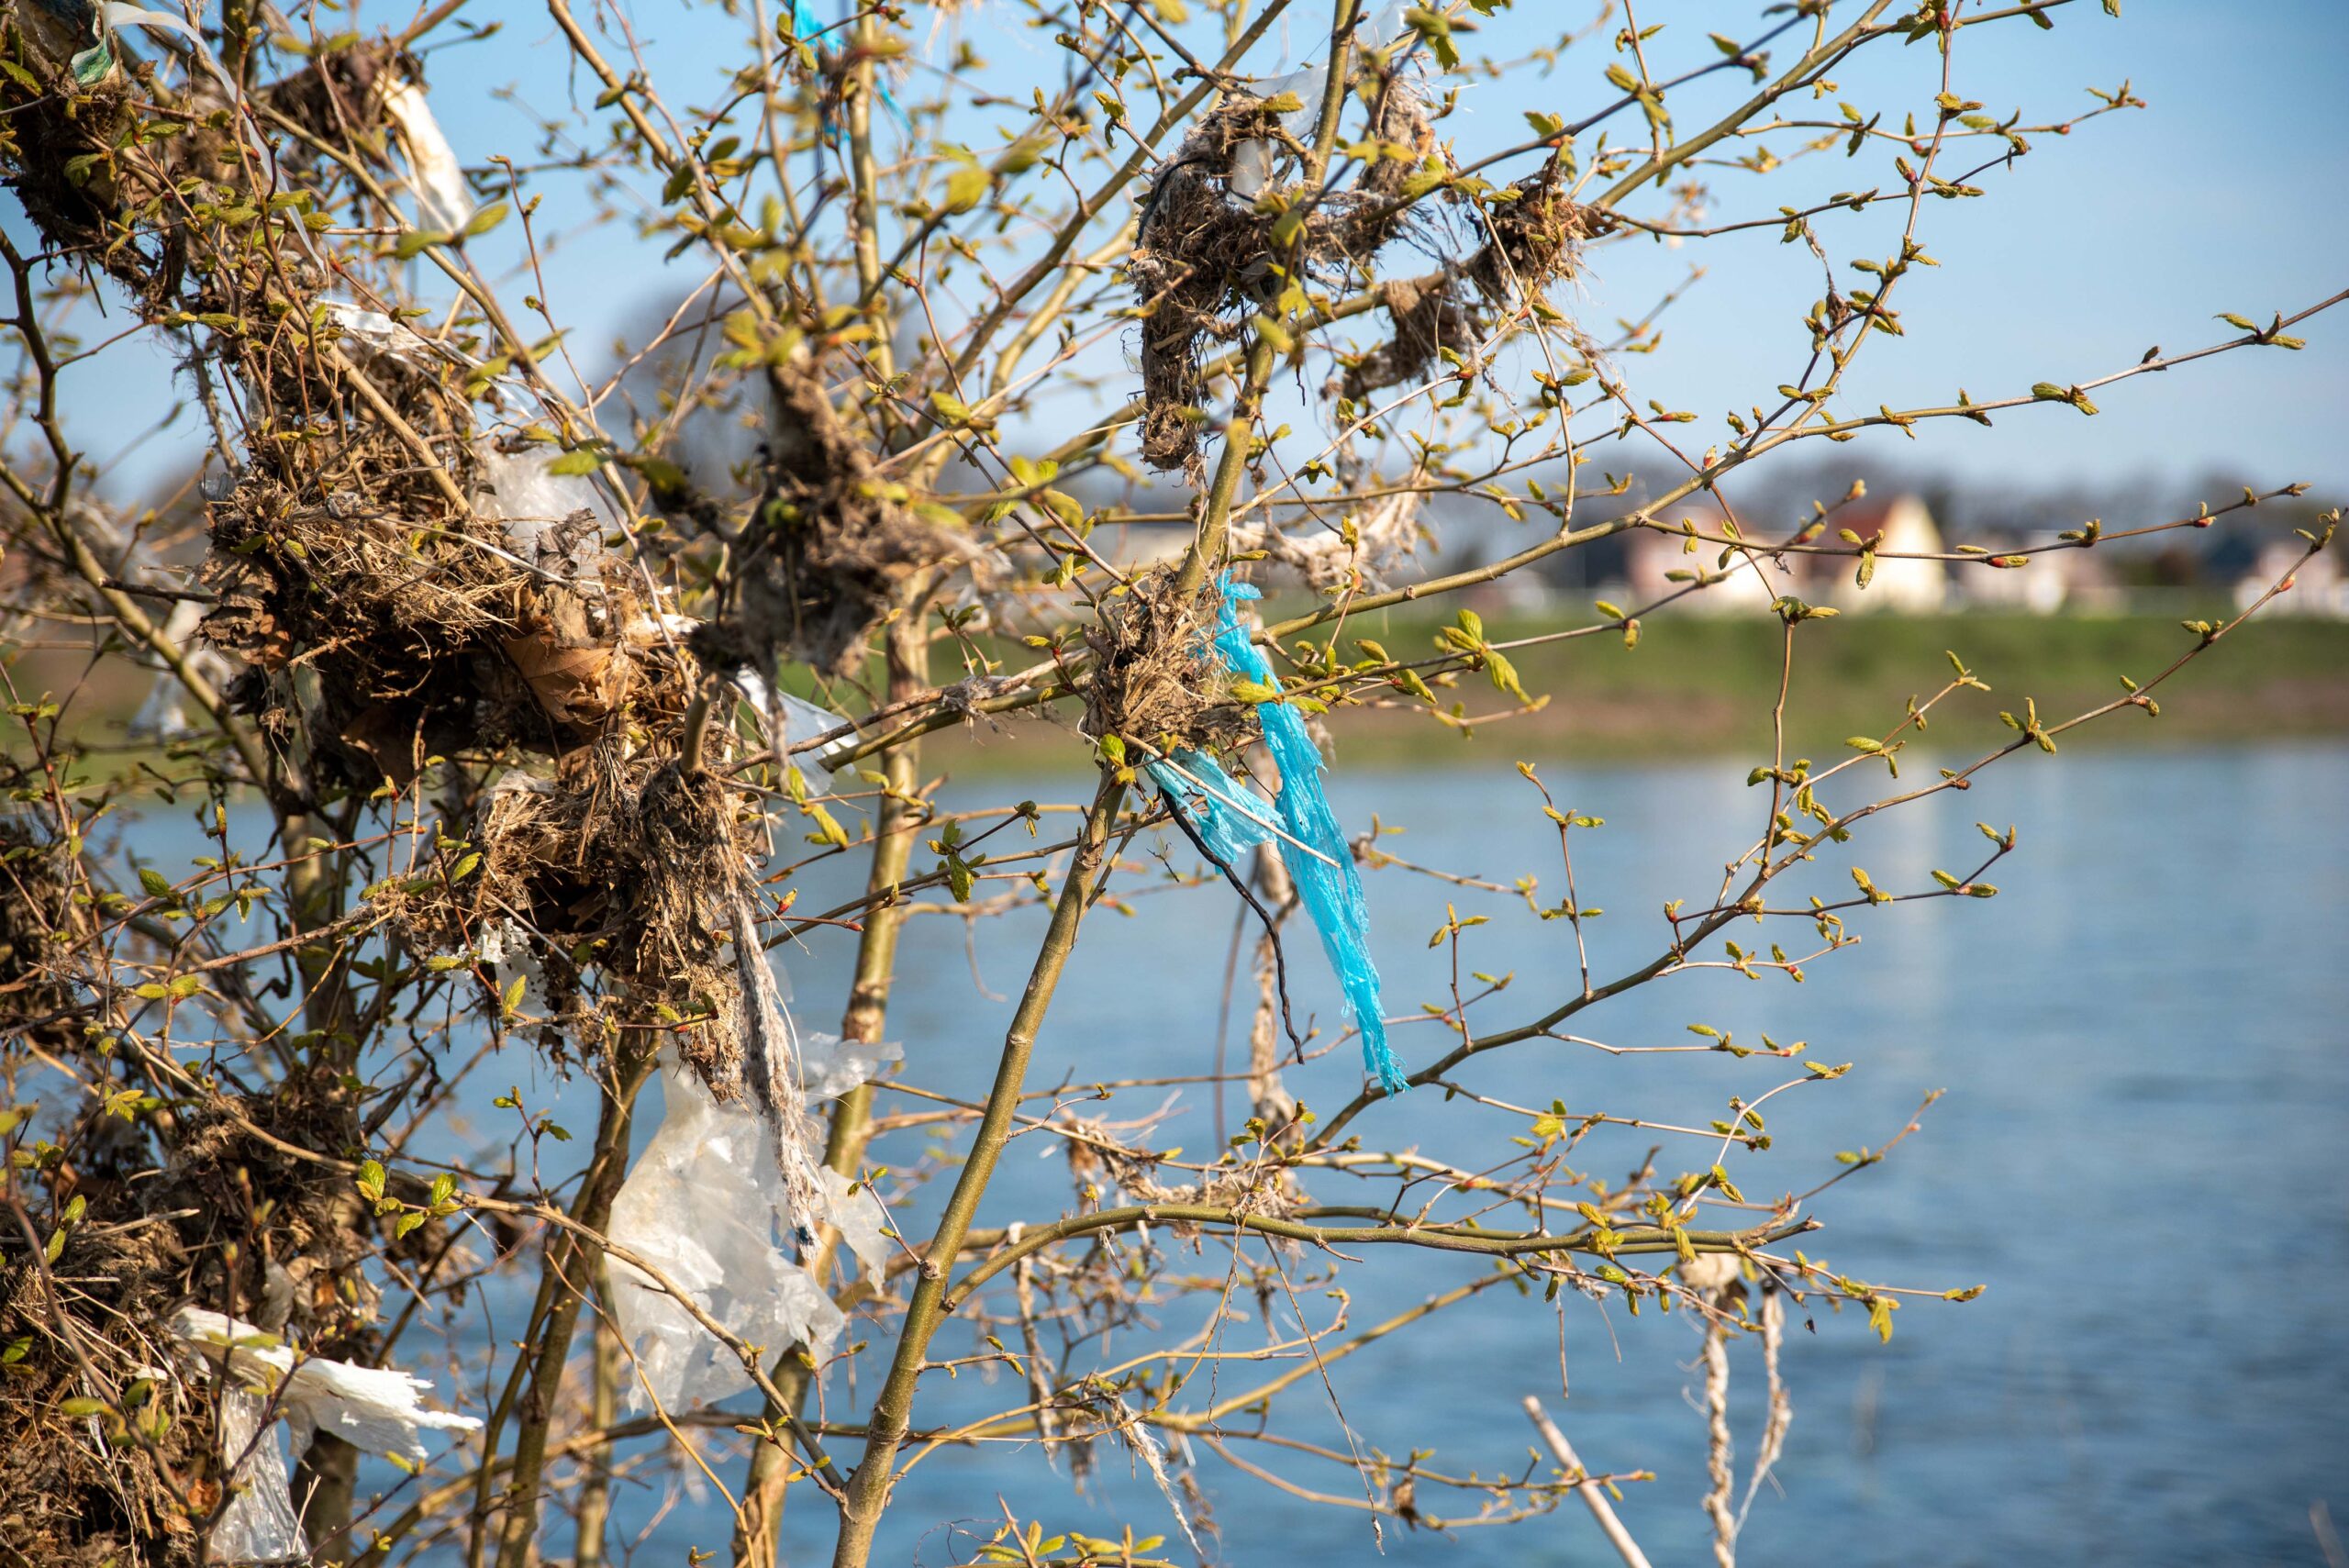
1535, 241
624, 865
830, 544
1205, 255
1154, 677
124, 1485
385, 605
114, 1457
1534, 237
37, 920
116, 180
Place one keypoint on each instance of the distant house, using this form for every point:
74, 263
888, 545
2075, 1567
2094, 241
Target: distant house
1899, 527
2318, 587
2055, 579
1902, 529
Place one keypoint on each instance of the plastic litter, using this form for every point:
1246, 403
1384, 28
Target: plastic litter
380, 1409
830, 1066
378, 335
92, 65
506, 946
259, 1526
443, 199
1252, 160
808, 28
801, 722
1326, 880
521, 491
1229, 816
863, 1223
721, 1194
704, 1206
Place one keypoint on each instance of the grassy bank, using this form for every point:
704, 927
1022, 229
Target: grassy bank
1698, 685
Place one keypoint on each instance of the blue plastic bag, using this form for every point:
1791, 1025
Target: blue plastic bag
1326, 880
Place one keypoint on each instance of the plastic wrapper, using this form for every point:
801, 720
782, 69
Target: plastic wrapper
259, 1525
443, 199
380, 1409
94, 64
376, 335
800, 720
520, 491
1227, 814
705, 1205
1327, 882
863, 1223
830, 1066
506, 946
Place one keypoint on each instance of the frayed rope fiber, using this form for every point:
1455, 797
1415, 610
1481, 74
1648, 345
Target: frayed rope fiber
1227, 815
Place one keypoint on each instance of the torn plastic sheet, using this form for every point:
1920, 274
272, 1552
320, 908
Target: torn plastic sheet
723, 1192
259, 1524
830, 1066
553, 521
1228, 814
1252, 160
443, 199
863, 1223
380, 1409
1326, 880
506, 946
380, 335
800, 720
705, 1206
92, 65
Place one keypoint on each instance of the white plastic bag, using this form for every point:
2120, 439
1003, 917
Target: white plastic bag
380, 1409
517, 490
443, 200
705, 1206
259, 1525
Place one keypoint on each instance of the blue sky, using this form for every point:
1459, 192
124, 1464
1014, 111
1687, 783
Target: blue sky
2223, 195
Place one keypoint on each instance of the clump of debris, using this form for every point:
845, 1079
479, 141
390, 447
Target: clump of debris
1206, 252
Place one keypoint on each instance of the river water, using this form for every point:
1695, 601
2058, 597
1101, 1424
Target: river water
2140, 1155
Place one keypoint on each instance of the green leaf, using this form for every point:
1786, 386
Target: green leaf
416, 241
489, 217
1435, 31
157, 885
371, 1181
967, 187
579, 460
